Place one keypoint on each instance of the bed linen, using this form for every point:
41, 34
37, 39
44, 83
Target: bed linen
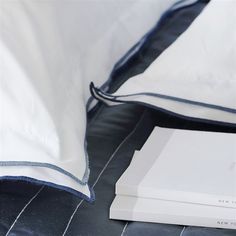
49, 53
113, 135
195, 77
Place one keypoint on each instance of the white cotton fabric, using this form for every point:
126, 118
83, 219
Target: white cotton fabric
196, 76
45, 176
49, 53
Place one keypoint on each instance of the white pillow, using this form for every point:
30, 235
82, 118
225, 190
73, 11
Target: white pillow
195, 77
49, 53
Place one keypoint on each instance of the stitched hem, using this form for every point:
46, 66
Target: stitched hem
167, 97
44, 165
181, 4
100, 95
53, 185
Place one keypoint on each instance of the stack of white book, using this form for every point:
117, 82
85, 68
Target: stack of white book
180, 177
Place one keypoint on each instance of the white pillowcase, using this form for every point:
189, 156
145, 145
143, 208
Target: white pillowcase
195, 77
49, 53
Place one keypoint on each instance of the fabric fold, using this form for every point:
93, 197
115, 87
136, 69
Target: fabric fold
195, 77
49, 53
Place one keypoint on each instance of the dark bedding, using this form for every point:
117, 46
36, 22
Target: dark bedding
114, 133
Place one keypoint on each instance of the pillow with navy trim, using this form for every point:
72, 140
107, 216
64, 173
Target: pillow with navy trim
195, 78
49, 53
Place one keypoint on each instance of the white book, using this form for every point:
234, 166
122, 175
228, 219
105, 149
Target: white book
185, 166
171, 212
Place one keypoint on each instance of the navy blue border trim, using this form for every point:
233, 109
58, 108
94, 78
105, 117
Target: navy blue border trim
44, 165
167, 97
98, 96
131, 52
49, 184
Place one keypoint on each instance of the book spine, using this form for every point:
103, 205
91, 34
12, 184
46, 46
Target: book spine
173, 219
179, 196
